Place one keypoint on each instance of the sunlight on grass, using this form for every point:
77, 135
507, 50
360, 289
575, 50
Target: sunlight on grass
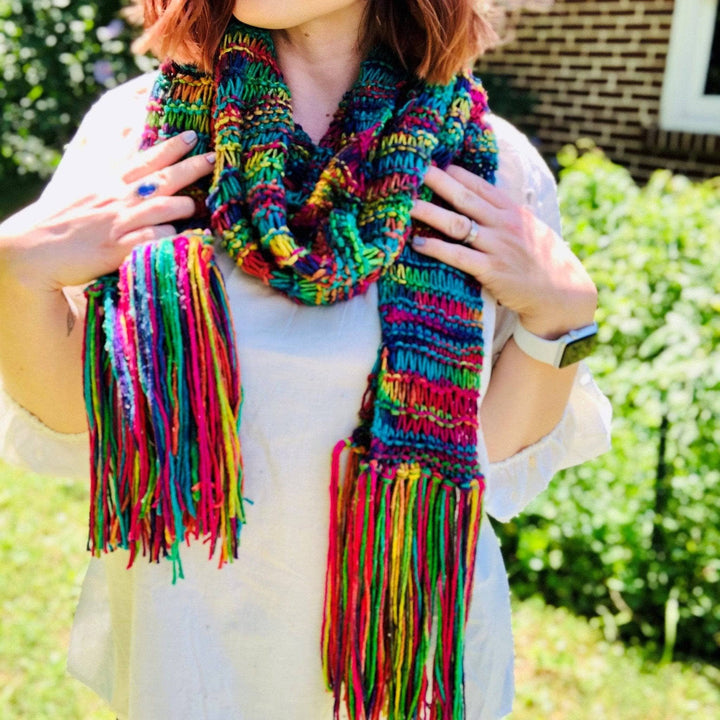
565, 670
42, 562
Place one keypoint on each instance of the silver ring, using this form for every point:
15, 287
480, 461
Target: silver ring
146, 189
472, 235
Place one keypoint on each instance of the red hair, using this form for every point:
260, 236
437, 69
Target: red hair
432, 38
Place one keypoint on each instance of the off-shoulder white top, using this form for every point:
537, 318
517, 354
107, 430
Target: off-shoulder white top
242, 643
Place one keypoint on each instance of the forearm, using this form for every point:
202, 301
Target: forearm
43, 254
526, 398
524, 401
41, 348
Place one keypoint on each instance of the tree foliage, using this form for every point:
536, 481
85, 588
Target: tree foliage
57, 57
635, 536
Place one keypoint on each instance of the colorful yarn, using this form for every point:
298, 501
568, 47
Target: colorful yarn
319, 224
165, 392
405, 505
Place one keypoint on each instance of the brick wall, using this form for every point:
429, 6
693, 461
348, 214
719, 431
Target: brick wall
596, 68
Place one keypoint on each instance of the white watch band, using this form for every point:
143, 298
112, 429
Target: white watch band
549, 351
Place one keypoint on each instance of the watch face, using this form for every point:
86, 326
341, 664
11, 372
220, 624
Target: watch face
576, 350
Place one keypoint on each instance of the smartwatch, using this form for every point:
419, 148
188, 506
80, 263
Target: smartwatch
569, 348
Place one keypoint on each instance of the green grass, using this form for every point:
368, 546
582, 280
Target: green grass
42, 537
565, 670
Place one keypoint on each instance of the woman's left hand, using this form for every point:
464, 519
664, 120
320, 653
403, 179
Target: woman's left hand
523, 262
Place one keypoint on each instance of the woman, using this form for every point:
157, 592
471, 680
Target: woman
272, 119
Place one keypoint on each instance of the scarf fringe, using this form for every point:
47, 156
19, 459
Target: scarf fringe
401, 556
163, 398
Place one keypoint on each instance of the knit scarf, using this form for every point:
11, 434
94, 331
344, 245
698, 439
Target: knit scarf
319, 224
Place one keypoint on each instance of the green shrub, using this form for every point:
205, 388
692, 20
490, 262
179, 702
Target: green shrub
635, 536
57, 57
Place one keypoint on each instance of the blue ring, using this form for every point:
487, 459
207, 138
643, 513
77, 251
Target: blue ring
146, 189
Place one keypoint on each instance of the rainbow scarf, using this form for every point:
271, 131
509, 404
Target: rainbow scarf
319, 224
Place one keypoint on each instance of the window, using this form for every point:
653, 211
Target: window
712, 84
691, 88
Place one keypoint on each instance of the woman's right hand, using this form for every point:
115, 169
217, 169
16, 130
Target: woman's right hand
93, 235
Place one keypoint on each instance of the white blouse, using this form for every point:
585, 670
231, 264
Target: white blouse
243, 642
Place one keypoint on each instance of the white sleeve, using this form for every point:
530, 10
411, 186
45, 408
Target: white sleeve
107, 137
28, 443
584, 430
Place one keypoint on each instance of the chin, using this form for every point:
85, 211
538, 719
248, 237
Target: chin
267, 21
284, 14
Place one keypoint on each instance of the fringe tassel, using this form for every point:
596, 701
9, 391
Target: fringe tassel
400, 563
163, 397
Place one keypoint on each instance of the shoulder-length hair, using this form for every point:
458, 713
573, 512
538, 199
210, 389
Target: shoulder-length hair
434, 39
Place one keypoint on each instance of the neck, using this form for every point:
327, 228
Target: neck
320, 61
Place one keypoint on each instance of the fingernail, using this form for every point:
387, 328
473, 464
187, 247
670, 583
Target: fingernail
210, 157
189, 136
418, 241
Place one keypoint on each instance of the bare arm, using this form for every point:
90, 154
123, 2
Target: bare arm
41, 317
524, 401
530, 270
40, 350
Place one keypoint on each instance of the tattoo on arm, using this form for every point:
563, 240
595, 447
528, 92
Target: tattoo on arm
71, 318
75, 302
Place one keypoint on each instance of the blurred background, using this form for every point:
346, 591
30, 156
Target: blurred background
615, 570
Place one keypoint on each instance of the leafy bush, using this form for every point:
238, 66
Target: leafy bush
635, 536
57, 57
